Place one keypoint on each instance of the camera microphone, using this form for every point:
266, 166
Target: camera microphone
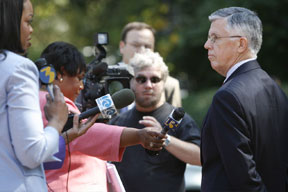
172, 122
99, 69
120, 99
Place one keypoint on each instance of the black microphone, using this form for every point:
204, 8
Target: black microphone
172, 122
47, 74
99, 69
120, 99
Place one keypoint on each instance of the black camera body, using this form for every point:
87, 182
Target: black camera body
101, 78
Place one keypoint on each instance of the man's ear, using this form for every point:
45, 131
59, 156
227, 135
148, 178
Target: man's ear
243, 45
121, 46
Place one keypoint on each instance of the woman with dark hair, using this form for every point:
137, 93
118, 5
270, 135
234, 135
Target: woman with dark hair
24, 144
84, 167
11, 37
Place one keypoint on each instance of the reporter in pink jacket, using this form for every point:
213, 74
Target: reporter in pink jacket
84, 167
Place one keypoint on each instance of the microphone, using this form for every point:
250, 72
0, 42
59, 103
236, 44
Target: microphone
47, 74
99, 69
172, 122
174, 119
120, 99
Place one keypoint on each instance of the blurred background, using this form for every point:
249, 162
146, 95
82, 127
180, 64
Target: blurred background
182, 28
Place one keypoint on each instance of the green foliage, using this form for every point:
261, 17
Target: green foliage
182, 27
197, 104
285, 88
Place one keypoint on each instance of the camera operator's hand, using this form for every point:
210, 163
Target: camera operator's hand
149, 137
149, 121
56, 111
78, 129
153, 128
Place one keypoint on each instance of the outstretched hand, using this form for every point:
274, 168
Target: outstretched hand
79, 128
150, 136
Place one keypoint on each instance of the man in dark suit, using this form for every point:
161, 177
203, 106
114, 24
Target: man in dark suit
245, 134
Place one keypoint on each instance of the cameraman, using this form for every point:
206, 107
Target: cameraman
84, 166
139, 171
136, 36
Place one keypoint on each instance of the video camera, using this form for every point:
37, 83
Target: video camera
101, 78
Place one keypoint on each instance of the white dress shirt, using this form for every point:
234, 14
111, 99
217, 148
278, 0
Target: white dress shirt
236, 66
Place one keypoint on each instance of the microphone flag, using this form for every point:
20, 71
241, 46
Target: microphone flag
106, 106
47, 74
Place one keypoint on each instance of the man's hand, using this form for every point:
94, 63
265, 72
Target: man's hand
151, 137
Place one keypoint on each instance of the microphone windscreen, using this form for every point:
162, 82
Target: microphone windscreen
178, 113
123, 98
120, 99
40, 63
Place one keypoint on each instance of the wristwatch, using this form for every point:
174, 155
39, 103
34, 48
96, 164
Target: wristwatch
167, 140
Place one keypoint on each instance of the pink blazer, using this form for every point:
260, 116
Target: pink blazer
88, 153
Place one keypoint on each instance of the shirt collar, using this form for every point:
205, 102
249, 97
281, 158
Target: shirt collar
236, 66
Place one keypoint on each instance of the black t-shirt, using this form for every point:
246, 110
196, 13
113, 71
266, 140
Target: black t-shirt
141, 172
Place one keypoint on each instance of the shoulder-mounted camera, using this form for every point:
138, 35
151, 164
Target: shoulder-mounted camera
101, 78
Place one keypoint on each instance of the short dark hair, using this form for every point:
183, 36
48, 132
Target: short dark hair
10, 22
135, 26
64, 57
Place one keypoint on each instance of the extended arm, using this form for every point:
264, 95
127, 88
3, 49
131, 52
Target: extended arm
132, 136
185, 151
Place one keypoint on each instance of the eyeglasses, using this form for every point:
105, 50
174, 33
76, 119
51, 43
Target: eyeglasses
214, 38
143, 79
139, 45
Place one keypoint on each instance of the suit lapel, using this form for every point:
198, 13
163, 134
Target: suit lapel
244, 68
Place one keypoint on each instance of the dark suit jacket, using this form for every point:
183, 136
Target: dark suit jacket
244, 145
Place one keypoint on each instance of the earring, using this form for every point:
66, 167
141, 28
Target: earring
61, 79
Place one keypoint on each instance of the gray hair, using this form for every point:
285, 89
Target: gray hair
148, 58
245, 21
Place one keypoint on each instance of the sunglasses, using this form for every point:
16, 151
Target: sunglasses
143, 79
